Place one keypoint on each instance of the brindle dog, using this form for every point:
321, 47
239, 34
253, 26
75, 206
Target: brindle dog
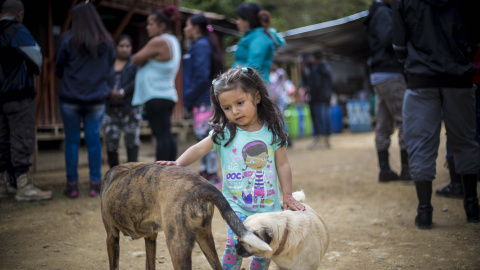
141, 199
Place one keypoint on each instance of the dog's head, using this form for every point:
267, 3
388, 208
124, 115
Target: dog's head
246, 250
264, 228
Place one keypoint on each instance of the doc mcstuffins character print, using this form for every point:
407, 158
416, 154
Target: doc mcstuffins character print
255, 155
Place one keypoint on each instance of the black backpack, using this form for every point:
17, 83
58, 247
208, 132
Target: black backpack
13, 69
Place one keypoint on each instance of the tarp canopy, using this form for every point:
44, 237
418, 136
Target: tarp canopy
344, 37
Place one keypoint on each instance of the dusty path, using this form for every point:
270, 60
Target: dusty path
371, 224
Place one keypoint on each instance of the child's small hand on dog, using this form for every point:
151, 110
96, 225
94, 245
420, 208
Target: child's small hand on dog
290, 202
167, 163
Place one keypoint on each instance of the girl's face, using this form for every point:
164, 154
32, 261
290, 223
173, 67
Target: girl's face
257, 163
153, 28
242, 25
191, 31
241, 108
124, 49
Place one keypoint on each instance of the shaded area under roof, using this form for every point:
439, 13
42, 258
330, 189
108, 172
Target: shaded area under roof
345, 37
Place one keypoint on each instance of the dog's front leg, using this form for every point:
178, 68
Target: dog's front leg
151, 251
113, 250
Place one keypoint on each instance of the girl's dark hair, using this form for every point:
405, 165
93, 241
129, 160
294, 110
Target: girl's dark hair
122, 37
253, 13
88, 30
218, 62
250, 82
166, 16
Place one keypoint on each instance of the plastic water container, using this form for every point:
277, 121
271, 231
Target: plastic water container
336, 119
298, 120
359, 118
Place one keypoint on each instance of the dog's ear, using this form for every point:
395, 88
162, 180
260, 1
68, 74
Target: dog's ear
266, 234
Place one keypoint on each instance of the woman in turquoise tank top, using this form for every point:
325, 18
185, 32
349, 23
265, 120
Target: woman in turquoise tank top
155, 81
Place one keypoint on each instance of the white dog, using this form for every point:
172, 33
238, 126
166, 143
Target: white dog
299, 239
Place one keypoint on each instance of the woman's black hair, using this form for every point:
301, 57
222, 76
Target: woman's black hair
253, 13
122, 37
217, 60
166, 16
256, 17
249, 81
88, 30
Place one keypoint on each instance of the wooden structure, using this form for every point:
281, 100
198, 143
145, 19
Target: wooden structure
48, 19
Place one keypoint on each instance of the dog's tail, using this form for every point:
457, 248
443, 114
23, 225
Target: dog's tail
299, 196
233, 221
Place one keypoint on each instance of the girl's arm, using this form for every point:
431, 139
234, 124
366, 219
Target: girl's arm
193, 153
156, 48
285, 176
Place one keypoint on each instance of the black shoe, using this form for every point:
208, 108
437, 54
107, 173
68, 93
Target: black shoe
387, 176
423, 220
405, 175
95, 187
451, 191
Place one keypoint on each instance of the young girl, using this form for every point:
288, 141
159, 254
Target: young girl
248, 136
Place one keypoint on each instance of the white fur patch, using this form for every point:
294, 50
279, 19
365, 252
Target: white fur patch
256, 242
299, 196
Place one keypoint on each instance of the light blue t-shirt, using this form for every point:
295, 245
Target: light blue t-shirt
157, 79
249, 174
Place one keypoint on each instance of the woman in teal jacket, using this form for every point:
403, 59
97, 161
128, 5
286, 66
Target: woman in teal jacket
257, 46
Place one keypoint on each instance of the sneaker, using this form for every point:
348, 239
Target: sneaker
27, 191
314, 144
204, 174
95, 187
71, 190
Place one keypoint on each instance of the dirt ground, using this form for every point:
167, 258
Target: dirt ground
371, 224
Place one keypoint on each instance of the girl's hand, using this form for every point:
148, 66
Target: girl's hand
290, 202
168, 163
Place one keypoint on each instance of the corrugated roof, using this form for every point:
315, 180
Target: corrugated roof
345, 36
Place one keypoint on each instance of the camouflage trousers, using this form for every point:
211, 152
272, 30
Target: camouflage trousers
389, 101
117, 121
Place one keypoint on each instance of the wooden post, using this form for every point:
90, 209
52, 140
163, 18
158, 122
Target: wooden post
126, 19
66, 23
51, 66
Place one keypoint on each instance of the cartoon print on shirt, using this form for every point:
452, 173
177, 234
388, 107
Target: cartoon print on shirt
255, 156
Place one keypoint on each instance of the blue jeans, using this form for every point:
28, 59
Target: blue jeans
322, 118
91, 115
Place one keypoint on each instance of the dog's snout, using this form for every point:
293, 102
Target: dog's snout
241, 251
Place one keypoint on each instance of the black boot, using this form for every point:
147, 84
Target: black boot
470, 202
112, 158
425, 210
405, 174
386, 174
132, 153
455, 188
